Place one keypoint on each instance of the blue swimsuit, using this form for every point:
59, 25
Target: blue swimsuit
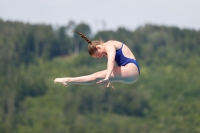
122, 60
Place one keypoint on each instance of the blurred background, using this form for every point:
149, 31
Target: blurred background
37, 46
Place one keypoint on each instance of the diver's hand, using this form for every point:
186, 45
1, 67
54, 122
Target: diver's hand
103, 81
106, 83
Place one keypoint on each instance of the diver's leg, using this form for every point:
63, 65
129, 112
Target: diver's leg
83, 80
128, 74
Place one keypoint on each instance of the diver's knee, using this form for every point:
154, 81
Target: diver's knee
94, 76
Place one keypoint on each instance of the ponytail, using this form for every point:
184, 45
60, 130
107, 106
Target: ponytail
84, 37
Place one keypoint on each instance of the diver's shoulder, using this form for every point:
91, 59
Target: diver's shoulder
113, 41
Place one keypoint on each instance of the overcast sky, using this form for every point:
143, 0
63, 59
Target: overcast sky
104, 14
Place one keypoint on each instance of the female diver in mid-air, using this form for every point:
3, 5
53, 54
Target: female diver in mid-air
127, 70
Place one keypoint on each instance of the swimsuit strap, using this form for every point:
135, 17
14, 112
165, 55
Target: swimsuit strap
122, 45
120, 48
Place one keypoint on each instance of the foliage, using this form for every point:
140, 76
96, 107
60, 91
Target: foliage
164, 99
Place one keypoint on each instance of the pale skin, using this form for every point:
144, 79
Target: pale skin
126, 74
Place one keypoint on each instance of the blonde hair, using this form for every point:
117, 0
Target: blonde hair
91, 44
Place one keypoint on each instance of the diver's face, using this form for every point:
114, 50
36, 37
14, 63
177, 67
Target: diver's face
100, 52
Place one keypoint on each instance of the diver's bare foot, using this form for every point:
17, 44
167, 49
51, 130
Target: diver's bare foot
60, 80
